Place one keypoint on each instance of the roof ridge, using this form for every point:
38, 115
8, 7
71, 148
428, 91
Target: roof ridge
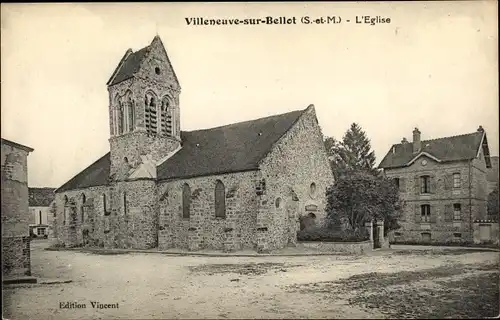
247, 121
454, 136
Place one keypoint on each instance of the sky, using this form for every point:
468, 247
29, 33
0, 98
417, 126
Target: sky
434, 66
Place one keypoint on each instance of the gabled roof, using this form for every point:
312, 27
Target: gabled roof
456, 148
41, 197
131, 63
231, 148
17, 145
96, 174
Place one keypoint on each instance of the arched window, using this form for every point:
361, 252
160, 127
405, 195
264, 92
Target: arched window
125, 209
186, 201
278, 203
131, 115
312, 190
150, 114
121, 118
82, 208
166, 117
220, 200
65, 200
104, 205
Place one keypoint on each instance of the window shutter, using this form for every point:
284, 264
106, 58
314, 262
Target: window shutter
448, 212
402, 185
433, 215
418, 214
448, 181
433, 184
417, 185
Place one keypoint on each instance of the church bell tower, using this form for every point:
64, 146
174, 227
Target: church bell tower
143, 111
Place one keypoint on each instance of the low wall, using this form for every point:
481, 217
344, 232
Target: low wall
486, 231
344, 247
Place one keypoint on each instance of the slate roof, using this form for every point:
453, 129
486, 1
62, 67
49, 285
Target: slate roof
461, 147
128, 66
231, 148
96, 174
40, 197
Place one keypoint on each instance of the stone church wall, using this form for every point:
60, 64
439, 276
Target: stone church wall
123, 215
297, 164
203, 230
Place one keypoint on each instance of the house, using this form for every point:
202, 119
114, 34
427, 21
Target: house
443, 185
39, 207
16, 260
242, 185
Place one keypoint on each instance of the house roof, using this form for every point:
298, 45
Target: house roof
230, 148
40, 197
17, 145
456, 148
96, 174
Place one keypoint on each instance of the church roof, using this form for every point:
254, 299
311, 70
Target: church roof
231, 148
456, 148
96, 174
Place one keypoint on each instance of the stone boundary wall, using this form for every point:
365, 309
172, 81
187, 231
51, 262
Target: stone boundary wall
16, 259
343, 247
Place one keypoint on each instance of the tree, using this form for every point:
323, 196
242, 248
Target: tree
360, 197
353, 153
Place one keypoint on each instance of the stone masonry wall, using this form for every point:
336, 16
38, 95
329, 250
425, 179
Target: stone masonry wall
128, 220
15, 212
442, 226
162, 86
296, 162
204, 230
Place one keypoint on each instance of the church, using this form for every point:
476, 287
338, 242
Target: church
239, 186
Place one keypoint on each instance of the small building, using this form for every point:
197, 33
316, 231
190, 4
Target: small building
16, 259
443, 185
39, 207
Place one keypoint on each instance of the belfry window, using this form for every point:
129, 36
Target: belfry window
166, 118
150, 114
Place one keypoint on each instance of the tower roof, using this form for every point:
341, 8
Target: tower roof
131, 63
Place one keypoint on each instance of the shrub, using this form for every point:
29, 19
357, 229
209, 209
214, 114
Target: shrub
331, 235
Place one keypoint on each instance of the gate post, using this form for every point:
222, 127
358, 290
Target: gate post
369, 228
380, 231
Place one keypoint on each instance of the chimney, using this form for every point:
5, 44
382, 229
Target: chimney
480, 129
404, 141
417, 145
